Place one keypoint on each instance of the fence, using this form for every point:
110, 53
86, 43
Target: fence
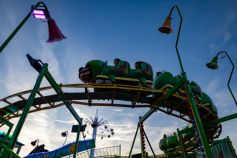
107, 152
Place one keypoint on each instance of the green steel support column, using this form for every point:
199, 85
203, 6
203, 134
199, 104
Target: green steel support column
64, 99
194, 108
197, 118
138, 125
223, 119
18, 27
226, 118
27, 106
36, 64
181, 144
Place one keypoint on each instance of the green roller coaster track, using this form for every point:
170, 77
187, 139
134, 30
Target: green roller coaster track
165, 99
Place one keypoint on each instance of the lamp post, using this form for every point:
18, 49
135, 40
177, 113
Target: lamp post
213, 65
64, 134
166, 28
40, 11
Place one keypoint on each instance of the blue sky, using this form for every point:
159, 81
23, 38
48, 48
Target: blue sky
125, 29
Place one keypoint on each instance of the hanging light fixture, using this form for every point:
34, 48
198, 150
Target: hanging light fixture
213, 64
42, 12
35, 142
166, 27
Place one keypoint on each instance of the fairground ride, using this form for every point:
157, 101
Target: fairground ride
133, 88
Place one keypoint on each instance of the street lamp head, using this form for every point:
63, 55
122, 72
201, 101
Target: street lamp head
213, 63
35, 142
41, 12
64, 134
166, 27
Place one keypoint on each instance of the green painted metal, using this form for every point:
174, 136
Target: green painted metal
178, 143
37, 64
231, 146
6, 152
181, 144
8, 123
223, 119
156, 103
223, 148
197, 118
19, 26
27, 106
232, 70
206, 99
163, 79
177, 39
169, 142
138, 125
95, 69
58, 90
189, 92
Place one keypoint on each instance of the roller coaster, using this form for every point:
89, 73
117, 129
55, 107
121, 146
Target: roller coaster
165, 93
119, 85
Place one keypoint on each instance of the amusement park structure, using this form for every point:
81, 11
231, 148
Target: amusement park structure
133, 88
95, 123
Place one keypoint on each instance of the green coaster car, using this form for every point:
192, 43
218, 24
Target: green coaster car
97, 71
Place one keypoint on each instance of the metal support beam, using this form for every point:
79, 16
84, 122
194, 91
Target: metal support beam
223, 119
138, 125
197, 117
64, 99
8, 123
27, 106
37, 64
159, 102
184, 155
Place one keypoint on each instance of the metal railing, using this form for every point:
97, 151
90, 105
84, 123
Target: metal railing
107, 152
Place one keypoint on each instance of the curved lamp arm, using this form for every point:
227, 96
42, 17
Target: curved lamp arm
232, 70
177, 39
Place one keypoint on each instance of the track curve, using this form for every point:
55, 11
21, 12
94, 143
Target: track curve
115, 95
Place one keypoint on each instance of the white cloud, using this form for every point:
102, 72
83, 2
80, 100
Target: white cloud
37, 126
220, 96
118, 110
213, 48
